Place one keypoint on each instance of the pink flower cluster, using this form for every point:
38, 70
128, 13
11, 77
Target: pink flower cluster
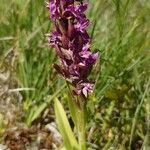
72, 43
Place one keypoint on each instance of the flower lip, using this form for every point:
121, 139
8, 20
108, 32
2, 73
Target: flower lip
83, 88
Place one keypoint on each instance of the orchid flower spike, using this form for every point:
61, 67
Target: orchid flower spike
72, 43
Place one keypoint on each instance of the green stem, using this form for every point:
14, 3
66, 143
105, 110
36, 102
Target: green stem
81, 125
78, 114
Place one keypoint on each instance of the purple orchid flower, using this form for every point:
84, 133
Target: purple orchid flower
72, 43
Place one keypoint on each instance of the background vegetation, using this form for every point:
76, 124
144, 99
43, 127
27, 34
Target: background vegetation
119, 109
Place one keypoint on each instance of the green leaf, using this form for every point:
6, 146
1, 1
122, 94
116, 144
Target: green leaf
64, 127
73, 109
72, 106
63, 148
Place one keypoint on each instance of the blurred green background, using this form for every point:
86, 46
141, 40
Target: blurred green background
119, 109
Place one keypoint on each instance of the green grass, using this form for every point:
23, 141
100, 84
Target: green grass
120, 106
